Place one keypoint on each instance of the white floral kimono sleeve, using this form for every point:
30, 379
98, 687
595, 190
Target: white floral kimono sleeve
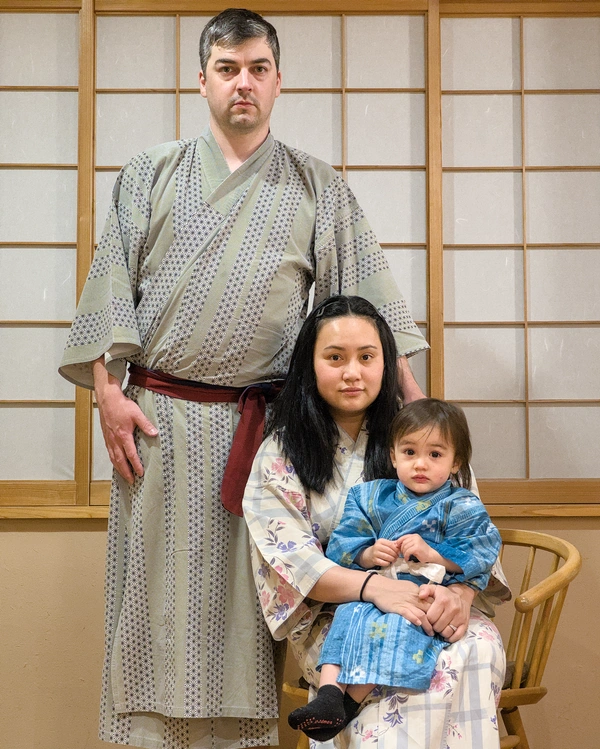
288, 529
287, 556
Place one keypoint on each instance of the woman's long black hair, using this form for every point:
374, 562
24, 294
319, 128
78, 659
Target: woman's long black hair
300, 418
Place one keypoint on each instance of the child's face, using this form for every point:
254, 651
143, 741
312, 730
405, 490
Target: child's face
423, 460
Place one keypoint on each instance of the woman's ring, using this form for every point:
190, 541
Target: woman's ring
452, 627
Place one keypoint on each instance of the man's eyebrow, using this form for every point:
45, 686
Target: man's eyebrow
231, 61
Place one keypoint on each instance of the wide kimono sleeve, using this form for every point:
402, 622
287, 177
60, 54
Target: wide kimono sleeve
471, 541
105, 321
349, 260
355, 531
287, 556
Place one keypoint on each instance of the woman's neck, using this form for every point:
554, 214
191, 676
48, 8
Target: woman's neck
351, 425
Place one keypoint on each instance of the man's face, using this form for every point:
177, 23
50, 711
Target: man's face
241, 85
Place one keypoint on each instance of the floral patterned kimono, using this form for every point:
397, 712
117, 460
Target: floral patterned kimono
288, 530
373, 647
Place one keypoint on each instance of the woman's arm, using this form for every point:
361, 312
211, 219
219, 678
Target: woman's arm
341, 585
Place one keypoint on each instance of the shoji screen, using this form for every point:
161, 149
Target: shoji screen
38, 234
472, 141
521, 190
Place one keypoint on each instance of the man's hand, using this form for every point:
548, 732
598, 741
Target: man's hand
119, 416
449, 613
412, 545
381, 554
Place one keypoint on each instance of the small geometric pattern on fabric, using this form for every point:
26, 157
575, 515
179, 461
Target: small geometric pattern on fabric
271, 258
188, 187
245, 258
164, 410
169, 272
265, 677
177, 733
194, 684
296, 314
369, 265
92, 327
101, 265
110, 722
124, 313
220, 444
136, 179
136, 635
398, 316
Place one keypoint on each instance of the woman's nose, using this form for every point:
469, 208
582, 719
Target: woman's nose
351, 371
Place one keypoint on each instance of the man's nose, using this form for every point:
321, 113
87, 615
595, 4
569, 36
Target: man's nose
244, 83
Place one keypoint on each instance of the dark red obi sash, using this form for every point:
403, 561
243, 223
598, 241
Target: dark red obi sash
251, 402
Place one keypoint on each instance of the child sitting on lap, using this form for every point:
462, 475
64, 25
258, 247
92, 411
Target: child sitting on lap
420, 528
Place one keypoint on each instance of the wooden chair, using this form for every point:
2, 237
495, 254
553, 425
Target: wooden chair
537, 610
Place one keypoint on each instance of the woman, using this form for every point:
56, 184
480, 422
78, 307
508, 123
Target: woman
328, 431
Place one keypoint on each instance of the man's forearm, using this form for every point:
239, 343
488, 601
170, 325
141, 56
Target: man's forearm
410, 388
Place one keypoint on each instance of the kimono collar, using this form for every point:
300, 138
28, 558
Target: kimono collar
218, 170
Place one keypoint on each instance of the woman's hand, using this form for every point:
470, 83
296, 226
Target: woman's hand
400, 597
341, 585
449, 612
381, 554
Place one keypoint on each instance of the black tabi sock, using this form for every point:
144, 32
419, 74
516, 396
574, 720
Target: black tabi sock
325, 716
351, 707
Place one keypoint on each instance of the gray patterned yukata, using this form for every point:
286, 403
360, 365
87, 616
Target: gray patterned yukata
204, 274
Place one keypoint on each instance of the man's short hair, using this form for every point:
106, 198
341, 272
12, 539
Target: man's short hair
233, 27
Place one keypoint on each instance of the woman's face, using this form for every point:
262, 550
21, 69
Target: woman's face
348, 363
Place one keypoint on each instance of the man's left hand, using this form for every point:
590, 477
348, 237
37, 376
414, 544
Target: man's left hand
449, 613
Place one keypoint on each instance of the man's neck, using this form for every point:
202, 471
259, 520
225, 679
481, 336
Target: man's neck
238, 147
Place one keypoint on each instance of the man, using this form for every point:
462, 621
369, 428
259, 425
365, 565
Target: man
202, 276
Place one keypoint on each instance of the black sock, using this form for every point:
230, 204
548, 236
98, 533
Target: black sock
351, 707
325, 716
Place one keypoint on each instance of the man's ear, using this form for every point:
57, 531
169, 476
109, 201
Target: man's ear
202, 81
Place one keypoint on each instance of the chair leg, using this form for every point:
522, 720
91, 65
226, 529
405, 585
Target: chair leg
514, 726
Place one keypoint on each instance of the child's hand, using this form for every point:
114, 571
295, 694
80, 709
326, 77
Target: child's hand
381, 554
412, 545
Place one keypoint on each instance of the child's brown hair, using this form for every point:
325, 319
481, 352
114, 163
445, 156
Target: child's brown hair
449, 419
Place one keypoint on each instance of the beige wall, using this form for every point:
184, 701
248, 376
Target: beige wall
51, 590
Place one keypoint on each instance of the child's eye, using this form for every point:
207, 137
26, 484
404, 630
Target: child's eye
408, 451
435, 454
